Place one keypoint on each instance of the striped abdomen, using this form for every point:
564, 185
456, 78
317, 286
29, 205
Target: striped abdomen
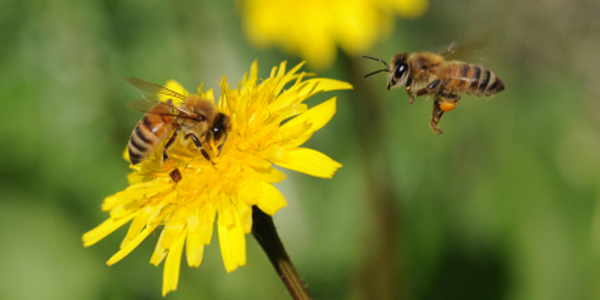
471, 79
156, 125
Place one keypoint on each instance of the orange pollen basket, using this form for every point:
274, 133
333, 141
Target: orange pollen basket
447, 106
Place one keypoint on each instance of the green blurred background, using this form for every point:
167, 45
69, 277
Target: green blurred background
503, 205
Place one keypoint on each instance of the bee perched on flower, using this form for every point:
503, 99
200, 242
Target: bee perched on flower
185, 187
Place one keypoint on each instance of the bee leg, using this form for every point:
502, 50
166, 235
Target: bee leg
194, 139
205, 154
433, 85
199, 145
430, 88
410, 94
168, 144
436, 116
450, 96
442, 98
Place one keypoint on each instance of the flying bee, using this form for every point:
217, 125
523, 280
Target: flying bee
196, 118
429, 74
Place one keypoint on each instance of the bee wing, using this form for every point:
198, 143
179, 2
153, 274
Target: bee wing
152, 90
144, 104
152, 93
461, 50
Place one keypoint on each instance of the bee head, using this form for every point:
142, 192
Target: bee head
221, 126
399, 72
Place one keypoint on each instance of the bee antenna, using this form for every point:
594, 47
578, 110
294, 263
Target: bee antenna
378, 71
221, 147
377, 59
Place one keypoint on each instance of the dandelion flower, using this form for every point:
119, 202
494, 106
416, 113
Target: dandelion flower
312, 29
238, 179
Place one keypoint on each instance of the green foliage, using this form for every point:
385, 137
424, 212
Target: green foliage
503, 205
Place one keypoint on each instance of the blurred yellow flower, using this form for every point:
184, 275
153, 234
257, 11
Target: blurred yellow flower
241, 176
312, 29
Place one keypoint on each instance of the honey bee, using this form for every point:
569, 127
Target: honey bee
196, 118
429, 74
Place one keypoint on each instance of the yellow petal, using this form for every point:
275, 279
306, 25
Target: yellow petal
245, 215
110, 202
130, 246
125, 208
279, 155
284, 77
134, 177
101, 231
310, 162
326, 85
207, 218
250, 79
194, 249
126, 154
271, 175
317, 116
169, 235
286, 112
208, 94
227, 214
172, 266
139, 222
272, 199
249, 188
233, 243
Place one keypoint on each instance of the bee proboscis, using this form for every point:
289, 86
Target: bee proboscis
196, 118
429, 74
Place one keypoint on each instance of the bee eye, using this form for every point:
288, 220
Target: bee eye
400, 70
217, 132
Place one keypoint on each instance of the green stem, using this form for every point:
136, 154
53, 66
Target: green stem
381, 274
265, 233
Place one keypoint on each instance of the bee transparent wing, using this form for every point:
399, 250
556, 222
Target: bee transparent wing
152, 90
152, 94
463, 51
144, 104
